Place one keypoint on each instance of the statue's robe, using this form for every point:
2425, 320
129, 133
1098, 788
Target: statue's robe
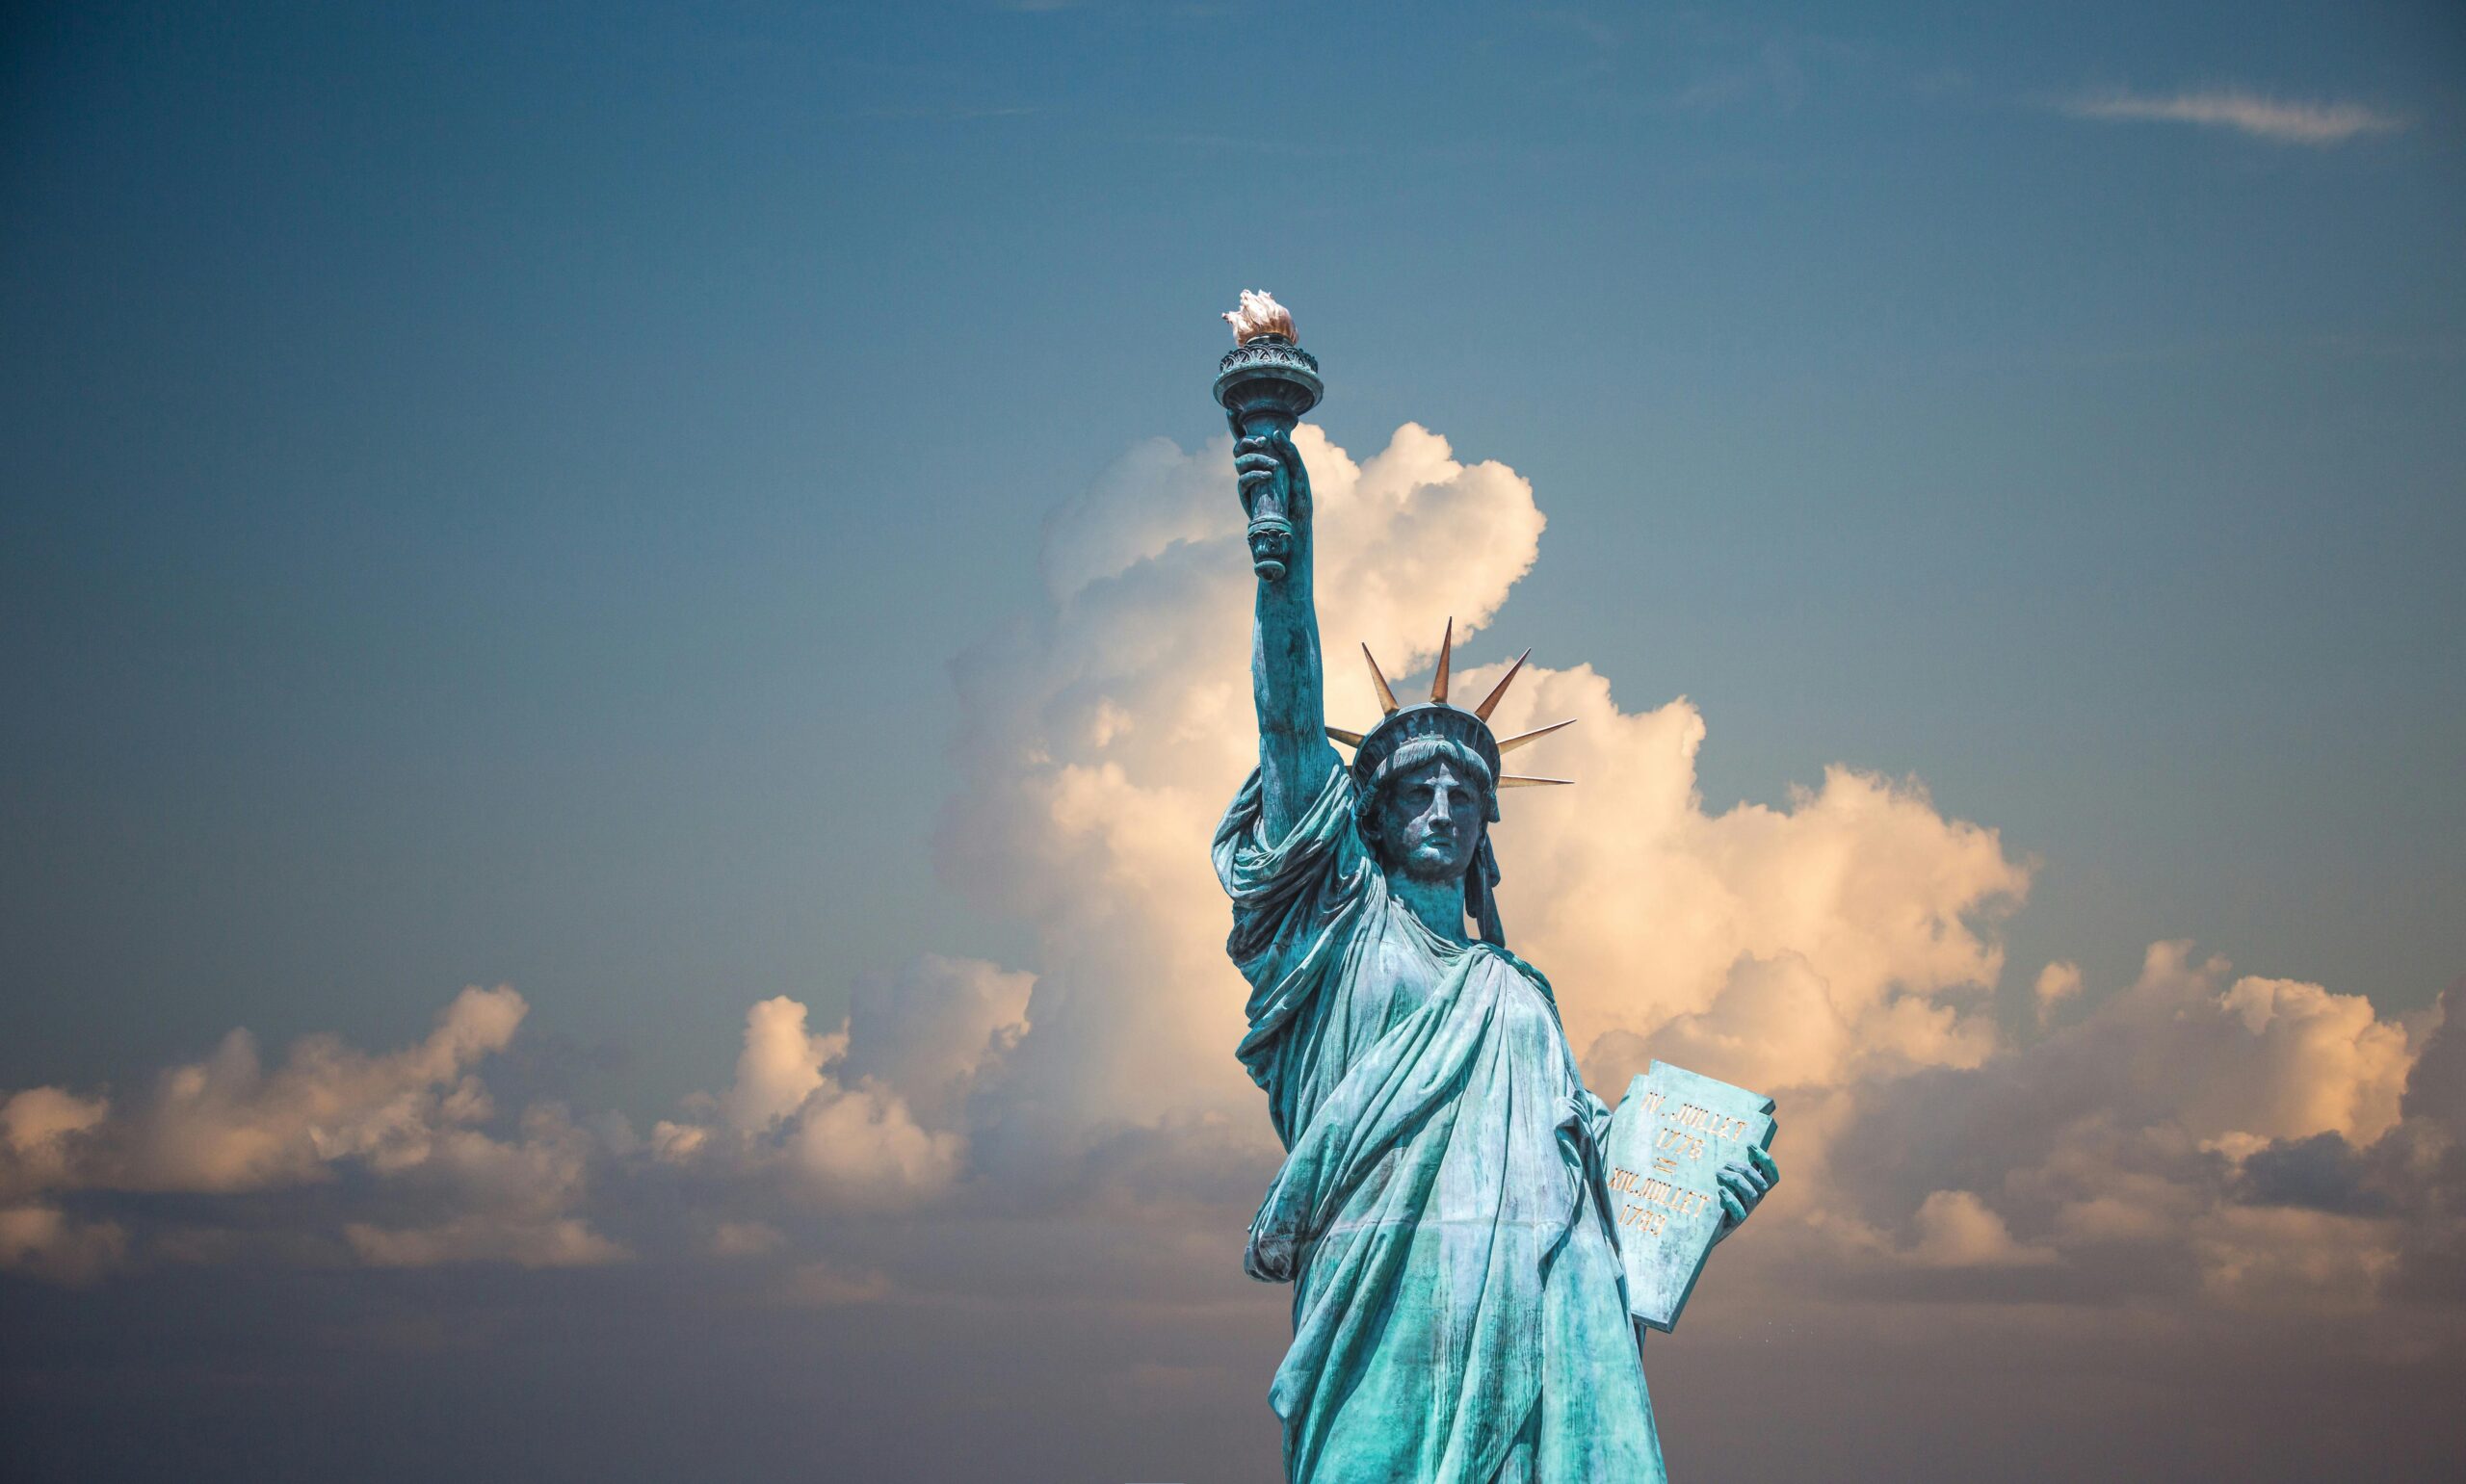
1459, 1314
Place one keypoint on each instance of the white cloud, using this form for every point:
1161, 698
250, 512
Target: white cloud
2057, 983
780, 1067
1837, 949
44, 1242
933, 1030
562, 1242
745, 1240
2280, 1257
2212, 1117
41, 1130
862, 1147
868, 1117
412, 1119
225, 1124
1843, 935
1955, 1229
822, 1285
2318, 124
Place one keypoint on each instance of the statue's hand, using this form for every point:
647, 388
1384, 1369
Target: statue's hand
1744, 1188
1258, 459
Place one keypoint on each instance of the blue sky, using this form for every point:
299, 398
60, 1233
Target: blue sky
495, 495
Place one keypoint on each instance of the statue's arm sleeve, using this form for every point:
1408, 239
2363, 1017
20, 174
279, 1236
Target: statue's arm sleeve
1297, 900
1596, 1117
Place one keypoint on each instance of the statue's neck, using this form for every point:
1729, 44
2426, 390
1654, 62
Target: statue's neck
1439, 905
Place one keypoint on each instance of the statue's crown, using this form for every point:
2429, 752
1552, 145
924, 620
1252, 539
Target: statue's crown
1436, 718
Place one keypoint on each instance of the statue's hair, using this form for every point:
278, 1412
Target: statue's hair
1415, 753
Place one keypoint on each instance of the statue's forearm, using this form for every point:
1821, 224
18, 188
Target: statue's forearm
1290, 686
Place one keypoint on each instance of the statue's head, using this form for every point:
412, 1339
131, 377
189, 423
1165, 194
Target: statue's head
1429, 809
1426, 780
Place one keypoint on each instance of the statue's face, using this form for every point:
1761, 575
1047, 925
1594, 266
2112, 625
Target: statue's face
1430, 822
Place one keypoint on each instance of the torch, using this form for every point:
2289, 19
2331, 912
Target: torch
1265, 383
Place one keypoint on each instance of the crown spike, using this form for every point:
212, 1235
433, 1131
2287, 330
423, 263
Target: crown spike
1386, 696
1484, 710
1446, 653
1512, 781
1354, 738
1510, 744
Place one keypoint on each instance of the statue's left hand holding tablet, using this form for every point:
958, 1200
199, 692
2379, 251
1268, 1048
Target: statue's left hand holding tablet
1743, 1185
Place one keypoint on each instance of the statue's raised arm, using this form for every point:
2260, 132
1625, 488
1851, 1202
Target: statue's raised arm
1287, 679
1265, 385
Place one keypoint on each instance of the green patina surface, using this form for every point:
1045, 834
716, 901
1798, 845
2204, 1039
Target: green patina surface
1457, 1309
1675, 1130
1461, 1310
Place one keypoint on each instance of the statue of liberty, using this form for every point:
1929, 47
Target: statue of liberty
1460, 1310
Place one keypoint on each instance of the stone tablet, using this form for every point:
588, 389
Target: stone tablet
1671, 1133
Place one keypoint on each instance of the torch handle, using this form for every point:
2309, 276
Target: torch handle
1265, 385
1268, 505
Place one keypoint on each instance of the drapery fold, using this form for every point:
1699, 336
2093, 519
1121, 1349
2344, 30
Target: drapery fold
1458, 1309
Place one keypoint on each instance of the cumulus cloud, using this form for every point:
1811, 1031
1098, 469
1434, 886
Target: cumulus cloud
1838, 949
2317, 124
413, 1120
1101, 739
511, 1201
1955, 1229
43, 1131
745, 1240
2231, 1136
1843, 934
225, 1124
42, 1242
564, 1242
2057, 983
2212, 1135
780, 1067
868, 1117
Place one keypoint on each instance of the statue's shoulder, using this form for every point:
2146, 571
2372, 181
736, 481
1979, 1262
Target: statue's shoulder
1540, 980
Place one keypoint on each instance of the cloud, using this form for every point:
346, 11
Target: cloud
1956, 1230
868, 1117
42, 1242
511, 1201
564, 1242
42, 1133
2191, 1152
226, 1125
2212, 1135
1101, 739
2318, 124
410, 1123
780, 1067
745, 1240
2057, 983
1839, 949
1844, 934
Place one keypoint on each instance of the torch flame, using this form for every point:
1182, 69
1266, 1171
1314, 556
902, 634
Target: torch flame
1260, 315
